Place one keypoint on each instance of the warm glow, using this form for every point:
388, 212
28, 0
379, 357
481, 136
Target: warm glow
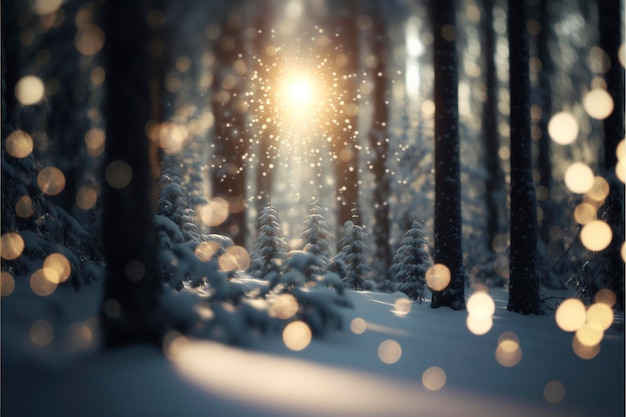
554, 392
11, 246
29, 90
299, 91
438, 277
214, 212
89, 39
563, 128
389, 351
235, 258
620, 150
601, 315
584, 213
596, 235
19, 144
24, 207
358, 325
284, 306
86, 198
56, 268
7, 284
205, 250
571, 315
478, 326
41, 285
481, 306
620, 170
585, 351
51, 180
508, 352
589, 334
297, 335
579, 178
401, 307
434, 378
598, 104
606, 296
45, 7
600, 189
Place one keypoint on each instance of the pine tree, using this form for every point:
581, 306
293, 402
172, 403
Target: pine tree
269, 245
411, 262
353, 255
316, 236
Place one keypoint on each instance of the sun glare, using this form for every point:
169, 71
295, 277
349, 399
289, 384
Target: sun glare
300, 91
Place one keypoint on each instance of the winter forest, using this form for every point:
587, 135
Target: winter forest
312, 208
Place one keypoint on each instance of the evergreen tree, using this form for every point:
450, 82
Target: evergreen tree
316, 236
270, 245
353, 254
411, 262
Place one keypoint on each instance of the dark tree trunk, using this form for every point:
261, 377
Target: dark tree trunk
268, 142
523, 283
494, 192
448, 244
10, 67
130, 311
228, 176
378, 138
345, 140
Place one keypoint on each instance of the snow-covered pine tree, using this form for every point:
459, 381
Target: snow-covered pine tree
269, 244
316, 237
410, 262
353, 255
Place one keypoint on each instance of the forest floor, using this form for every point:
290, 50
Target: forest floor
340, 374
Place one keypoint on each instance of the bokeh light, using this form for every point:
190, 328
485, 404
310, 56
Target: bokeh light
206, 250
41, 333
478, 326
358, 325
563, 128
389, 351
584, 213
606, 296
571, 315
45, 7
118, 174
589, 334
596, 235
579, 178
481, 306
19, 144
601, 315
284, 306
297, 335
40, 284
29, 90
81, 336
24, 207
620, 150
86, 198
7, 284
437, 277
11, 246
51, 180
554, 392
508, 352
94, 141
620, 170
56, 268
173, 343
89, 39
214, 213
401, 306
600, 189
434, 378
598, 103
584, 351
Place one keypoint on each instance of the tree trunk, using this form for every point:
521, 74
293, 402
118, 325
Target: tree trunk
378, 138
448, 243
494, 192
130, 311
523, 283
228, 176
345, 140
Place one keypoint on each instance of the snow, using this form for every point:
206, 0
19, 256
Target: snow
338, 374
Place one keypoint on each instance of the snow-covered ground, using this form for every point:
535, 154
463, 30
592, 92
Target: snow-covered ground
341, 374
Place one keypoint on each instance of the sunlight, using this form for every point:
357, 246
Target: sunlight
300, 91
